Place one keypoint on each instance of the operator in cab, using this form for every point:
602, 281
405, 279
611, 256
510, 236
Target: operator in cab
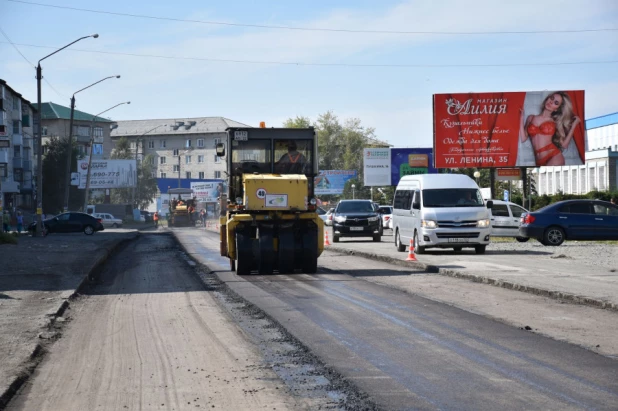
292, 162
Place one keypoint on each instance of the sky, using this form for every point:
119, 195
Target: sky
368, 59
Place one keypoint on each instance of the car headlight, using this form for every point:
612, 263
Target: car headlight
372, 219
340, 219
482, 223
312, 201
239, 200
429, 224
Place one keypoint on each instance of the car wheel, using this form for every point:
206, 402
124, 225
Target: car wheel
480, 249
400, 247
89, 230
377, 238
335, 238
554, 236
417, 248
114, 225
522, 239
457, 249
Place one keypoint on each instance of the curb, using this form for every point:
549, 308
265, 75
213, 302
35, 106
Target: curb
430, 268
35, 356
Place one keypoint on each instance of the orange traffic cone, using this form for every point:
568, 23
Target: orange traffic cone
411, 256
326, 242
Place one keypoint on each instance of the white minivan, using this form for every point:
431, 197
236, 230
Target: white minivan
440, 211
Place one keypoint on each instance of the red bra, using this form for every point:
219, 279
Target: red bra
547, 128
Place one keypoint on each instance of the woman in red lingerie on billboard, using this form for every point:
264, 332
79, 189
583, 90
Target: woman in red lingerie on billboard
552, 130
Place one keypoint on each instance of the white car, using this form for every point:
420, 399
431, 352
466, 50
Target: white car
108, 220
505, 220
329, 217
387, 216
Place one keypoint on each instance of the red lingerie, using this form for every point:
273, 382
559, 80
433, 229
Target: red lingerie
547, 128
552, 150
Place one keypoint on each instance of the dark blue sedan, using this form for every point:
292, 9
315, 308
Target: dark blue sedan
571, 220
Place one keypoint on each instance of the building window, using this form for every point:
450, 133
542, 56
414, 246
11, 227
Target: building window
150, 144
45, 149
163, 175
187, 159
188, 174
16, 126
217, 141
132, 145
82, 131
188, 143
151, 160
44, 131
200, 159
154, 174
17, 151
201, 175
217, 159
162, 160
217, 174
200, 142
15, 103
3, 169
98, 131
162, 144
176, 152
176, 168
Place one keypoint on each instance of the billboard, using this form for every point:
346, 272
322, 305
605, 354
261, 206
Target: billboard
207, 192
511, 129
107, 173
409, 161
377, 166
332, 181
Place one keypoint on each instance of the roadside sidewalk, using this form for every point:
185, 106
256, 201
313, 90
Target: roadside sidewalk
38, 277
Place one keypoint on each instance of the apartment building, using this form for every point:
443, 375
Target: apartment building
56, 120
183, 148
600, 171
17, 160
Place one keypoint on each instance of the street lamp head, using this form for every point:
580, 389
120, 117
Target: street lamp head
128, 102
118, 76
96, 36
477, 174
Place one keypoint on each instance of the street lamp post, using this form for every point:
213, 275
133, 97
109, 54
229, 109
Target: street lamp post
353, 188
39, 161
179, 155
91, 150
67, 184
137, 140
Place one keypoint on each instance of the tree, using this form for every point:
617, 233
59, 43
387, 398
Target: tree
54, 177
146, 190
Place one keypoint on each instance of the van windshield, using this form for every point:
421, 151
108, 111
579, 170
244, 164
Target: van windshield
458, 197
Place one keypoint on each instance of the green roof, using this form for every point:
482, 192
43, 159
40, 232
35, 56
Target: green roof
53, 111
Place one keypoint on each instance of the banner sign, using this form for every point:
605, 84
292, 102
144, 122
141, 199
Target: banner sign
377, 166
506, 174
513, 129
107, 173
410, 161
207, 192
332, 181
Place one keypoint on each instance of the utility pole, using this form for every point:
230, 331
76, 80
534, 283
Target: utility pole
67, 187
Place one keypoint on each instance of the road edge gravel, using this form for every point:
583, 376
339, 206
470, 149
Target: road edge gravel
449, 272
37, 354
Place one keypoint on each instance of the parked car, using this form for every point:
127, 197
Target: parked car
356, 218
506, 219
108, 220
571, 220
387, 216
329, 217
322, 213
147, 216
71, 222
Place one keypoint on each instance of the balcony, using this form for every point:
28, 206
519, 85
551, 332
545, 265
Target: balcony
27, 143
27, 165
4, 157
18, 162
10, 186
82, 139
18, 140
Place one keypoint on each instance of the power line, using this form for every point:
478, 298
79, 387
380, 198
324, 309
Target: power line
265, 26
24, 57
324, 64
